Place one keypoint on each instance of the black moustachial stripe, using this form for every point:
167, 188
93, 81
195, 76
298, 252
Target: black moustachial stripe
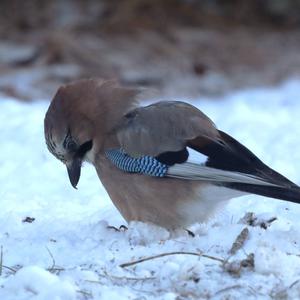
84, 148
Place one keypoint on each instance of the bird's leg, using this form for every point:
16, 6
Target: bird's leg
190, 233
123, 228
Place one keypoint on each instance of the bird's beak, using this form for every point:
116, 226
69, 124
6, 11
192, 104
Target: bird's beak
74, 168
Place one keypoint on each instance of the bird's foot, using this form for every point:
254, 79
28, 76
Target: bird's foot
122, 228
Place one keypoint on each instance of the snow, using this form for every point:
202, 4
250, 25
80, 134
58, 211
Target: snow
68, 252
39, 282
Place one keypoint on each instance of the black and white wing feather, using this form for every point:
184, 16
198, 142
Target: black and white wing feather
166, 130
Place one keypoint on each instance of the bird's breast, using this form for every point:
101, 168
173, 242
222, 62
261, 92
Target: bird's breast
167, 202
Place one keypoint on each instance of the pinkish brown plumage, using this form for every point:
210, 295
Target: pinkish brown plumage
89, 117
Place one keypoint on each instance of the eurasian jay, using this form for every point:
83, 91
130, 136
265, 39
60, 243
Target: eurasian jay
141, 152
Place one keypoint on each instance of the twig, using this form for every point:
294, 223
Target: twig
123, 278
3, 266
54, 267
127, 278
294, 283
239, 241
52, 257
51, 270
85, 293
113, 277
237, 286
128, 264
9, 268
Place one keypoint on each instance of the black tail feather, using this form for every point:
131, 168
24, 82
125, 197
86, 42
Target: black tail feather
283, 193
258, 167
230, 155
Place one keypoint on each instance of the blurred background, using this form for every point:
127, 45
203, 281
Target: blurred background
179, 47
237, 60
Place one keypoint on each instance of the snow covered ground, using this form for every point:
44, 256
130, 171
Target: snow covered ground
67, 252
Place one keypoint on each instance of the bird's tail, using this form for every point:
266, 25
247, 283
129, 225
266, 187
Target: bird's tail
278, 189
291, 194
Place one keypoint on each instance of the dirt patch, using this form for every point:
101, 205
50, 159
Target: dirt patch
182, 52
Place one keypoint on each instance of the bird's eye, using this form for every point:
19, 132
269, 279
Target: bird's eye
71, 146
84, 148
69, 143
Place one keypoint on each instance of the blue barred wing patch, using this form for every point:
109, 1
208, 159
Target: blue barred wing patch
144, 165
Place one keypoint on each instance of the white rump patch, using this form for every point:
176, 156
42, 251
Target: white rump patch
206, 203
196, 157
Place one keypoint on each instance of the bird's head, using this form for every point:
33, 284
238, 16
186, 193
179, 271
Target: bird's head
80, 117
68, 149
69, 128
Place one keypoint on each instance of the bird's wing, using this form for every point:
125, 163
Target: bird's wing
166, 130
163, 127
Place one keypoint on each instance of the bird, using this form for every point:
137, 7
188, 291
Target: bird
141, 154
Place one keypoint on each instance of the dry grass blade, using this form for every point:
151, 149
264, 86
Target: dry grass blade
239, 241
3, 266
9, 268
106, 274
1, 260
85, 294
294, 283
168, 254
53, 259
236, 286
54, 268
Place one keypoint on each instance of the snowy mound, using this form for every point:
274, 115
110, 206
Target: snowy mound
56, 243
